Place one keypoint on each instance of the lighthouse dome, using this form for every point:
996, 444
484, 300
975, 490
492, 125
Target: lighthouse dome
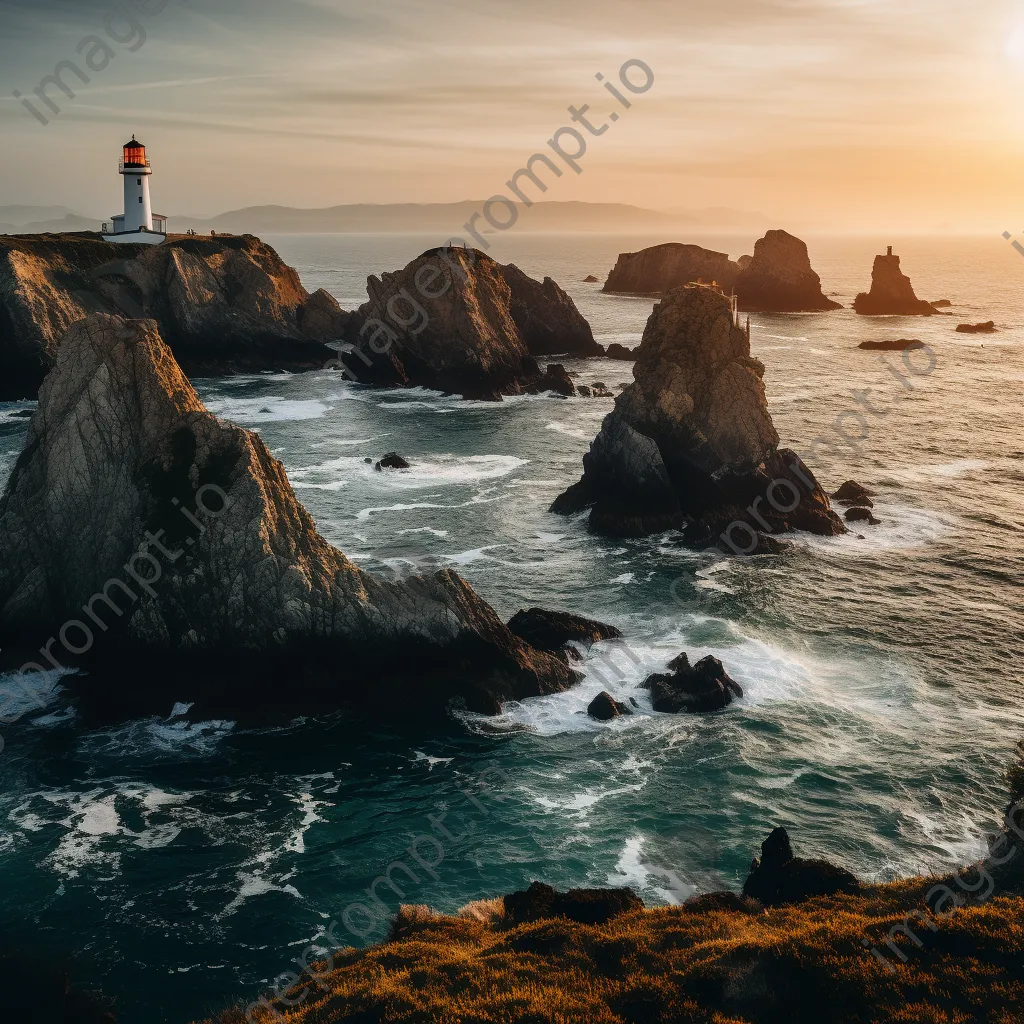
134, 154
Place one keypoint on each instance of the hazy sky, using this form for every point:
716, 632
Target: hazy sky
822, 113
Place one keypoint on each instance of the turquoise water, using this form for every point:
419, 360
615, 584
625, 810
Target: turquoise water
183, 868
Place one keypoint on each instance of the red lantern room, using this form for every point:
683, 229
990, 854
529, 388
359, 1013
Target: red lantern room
134, 154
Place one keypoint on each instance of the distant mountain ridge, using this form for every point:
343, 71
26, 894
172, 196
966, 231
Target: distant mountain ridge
385, 218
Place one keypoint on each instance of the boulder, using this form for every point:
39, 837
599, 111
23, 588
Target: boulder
584, 391
853, 493
942, 303
604, 707
779, 278
861, 515
174, 544
222, 304
542, 902
590, 279
989, 327
617, 351
551, 631
690, 444
555, 379
658, 269
705, 686
891, 293
457, 321
391, 461
892, 344
779, 878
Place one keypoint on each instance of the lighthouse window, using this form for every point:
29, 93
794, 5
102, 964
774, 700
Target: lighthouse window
140, 199
138, 181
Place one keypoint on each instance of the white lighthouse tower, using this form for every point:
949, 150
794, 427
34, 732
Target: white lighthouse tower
138, 223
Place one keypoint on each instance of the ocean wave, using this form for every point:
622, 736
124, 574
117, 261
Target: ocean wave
266, 410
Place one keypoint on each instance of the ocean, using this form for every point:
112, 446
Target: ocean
183, 868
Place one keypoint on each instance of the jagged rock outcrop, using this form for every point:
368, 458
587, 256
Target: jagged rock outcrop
456, 320
779, 278
852, 493
660, 268
891, 293
617, 351
988, 327
174, 544
705, 686
691, 443
222, 304
553, 631
778, 878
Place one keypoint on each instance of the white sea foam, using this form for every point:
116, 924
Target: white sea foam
561, 428
266, 410
631, 872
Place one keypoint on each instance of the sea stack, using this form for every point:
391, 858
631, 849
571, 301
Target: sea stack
456, 320
779, 278
166, 549
891, 293
658, 269
222, 304
690, 444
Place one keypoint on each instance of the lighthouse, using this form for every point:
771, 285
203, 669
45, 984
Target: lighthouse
138, 223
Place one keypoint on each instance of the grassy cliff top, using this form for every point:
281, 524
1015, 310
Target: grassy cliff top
805, 962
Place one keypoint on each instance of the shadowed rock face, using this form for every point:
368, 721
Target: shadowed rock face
219, 589
779, 278
660, 268
221, 304
891, 293
456, 320
691, 444
778, 878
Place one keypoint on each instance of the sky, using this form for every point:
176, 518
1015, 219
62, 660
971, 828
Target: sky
828, 114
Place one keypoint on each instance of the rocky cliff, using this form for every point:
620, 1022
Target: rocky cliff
174, 546
221, 303
456, 320
690, 444
658, 269
779, 278
891, 293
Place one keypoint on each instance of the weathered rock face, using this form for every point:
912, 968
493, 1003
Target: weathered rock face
222, 304
456, 320
891, 293
587, 906
779, 278
552, 631
690, 442
604, 707
660, 268
176, 544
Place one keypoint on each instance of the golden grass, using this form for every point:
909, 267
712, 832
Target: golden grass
794, 963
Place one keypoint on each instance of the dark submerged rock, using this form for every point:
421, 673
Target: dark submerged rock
779, 878
605, 707
892, 344
590, 279
942, 303
391, 461
705, 686
891, 293
989, 327
556, 379
585, 906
